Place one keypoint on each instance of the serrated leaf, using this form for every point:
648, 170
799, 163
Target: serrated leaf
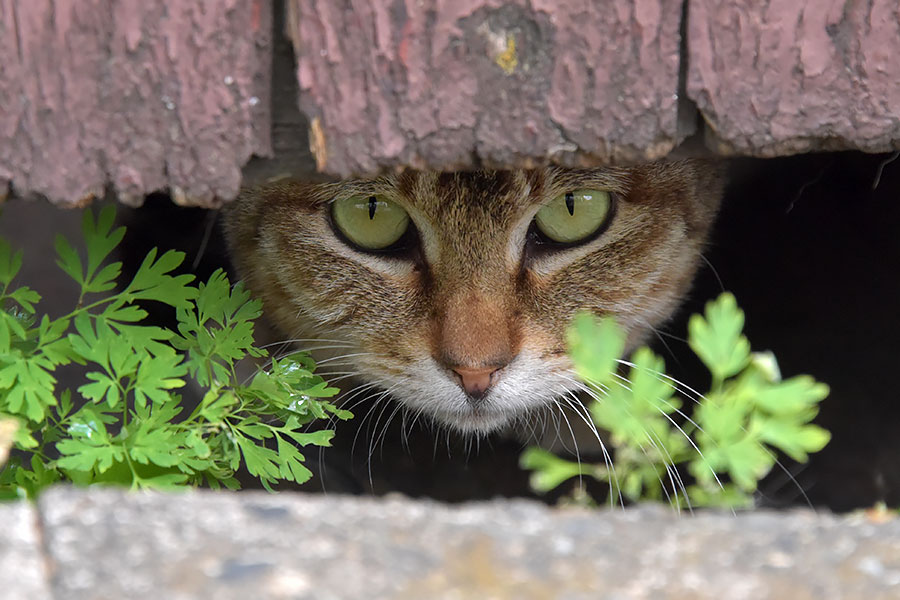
153, 282
10, 263
31, 392
105, 279
721, 420
68, 259
126, 314
718, 340
25, 297
156, 446
82, 456
316, 438
103, 388
261, 462
548, 470
746, 461
794, 395
157, 375
101, 240
794, 439
89, 447
60, 353
595, 348
649, 387
291, 467
13, 325
195, 442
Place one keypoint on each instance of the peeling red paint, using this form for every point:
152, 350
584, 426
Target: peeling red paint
443, 100
132, 95
780, 78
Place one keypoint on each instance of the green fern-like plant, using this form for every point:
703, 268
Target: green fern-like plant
127, 424
728, 442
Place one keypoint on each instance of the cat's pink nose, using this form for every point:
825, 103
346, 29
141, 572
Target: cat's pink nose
476, 380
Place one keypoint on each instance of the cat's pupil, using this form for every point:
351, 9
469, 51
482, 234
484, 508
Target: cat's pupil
373, 204
570, 203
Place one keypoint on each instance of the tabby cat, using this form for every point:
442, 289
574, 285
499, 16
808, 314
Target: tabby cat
452, 291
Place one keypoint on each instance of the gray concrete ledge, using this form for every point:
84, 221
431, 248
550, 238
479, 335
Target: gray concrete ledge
104, 544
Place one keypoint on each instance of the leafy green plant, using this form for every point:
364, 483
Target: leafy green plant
126, 424
729, 441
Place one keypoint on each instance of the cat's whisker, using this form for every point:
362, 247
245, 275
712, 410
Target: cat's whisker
614, 488
696, 397
672, 472
384, 398
575, 444
373, 402
671, 469
293, 341
381, 437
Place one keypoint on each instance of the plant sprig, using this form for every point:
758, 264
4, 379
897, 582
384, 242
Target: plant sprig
128, 424
728, 443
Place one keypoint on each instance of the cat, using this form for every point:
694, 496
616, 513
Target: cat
451, 292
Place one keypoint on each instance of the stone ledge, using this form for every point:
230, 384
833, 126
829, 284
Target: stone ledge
106, 544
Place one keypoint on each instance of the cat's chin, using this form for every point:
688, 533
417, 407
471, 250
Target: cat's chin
475, 421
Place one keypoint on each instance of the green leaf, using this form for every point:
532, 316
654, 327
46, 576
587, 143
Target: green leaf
104, 387
105, 280
157, 446
548, 470
794, 395
68, 260
101, 240
89, 447
291, 467
10, 263
153, 282
649, 386
12, 324
156, 375
261, 462
745, 460
26, 298
30, 386
83, 456
794, 439
723, 421
595, 348
718, 340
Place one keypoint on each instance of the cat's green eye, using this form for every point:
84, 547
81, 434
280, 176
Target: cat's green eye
372, 222
574, 216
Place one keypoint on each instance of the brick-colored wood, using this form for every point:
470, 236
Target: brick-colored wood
132, 95
136, 96
778, 77
461, 84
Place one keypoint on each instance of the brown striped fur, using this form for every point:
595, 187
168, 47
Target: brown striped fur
475, 294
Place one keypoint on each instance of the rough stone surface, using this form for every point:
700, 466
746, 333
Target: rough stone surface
486, 82
774, 78
23, 571
107, 545
134, 95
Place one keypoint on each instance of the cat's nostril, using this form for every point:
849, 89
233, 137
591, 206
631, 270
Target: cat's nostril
476, 380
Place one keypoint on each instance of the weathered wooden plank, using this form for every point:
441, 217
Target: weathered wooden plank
443, 84
780, 77
136, 95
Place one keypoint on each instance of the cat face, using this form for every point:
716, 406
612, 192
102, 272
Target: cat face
453, 291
